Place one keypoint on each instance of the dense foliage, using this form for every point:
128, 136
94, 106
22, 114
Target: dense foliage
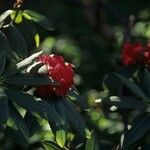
40, 106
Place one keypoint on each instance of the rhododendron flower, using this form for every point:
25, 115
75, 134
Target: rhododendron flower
146, 56
59, 71
131, 53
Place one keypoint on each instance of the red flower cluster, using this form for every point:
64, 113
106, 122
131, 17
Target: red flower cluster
134, 53
59, 71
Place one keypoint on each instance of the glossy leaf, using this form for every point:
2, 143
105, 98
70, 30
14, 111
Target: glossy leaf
30, 33
32, 123
17, 41
4, 44
16, 136
31, 104
74, 118
38, 18
133, 87
4, 109
27, 79
2, 62
20, 122
126, 102
147, 81
74, 96
61, 137
138, 129
61, 131
28, 60
4, 15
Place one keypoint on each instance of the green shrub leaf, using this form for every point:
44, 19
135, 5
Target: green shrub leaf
27, 79
4, 15
17, 41
20, 122
125, 102
4, 109
49, 145
133, 87
38, 18
92, 143
2, 62
138, 129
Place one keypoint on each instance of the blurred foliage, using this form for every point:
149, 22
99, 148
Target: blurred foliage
82, 37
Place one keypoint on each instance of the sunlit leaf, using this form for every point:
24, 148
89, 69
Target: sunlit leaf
49, 145
37, 39
28, 60
4, 15
92, 143
40, 19
17, 17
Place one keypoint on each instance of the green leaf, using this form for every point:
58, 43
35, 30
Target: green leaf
147, 81
126, 102
38, 18
4, 15
61, 131
91, 143
27, 79
4, 109
133, 87
19, 18
61, 137
4, 44
49, 145
32, 123
2, 62
74, 96
17, 41
28, 29
31, 104
74, 117
16, 136
37, 40
20, 122
139, 127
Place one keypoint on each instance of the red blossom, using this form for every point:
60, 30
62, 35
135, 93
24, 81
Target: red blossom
131, 53
59, 71
146, 56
